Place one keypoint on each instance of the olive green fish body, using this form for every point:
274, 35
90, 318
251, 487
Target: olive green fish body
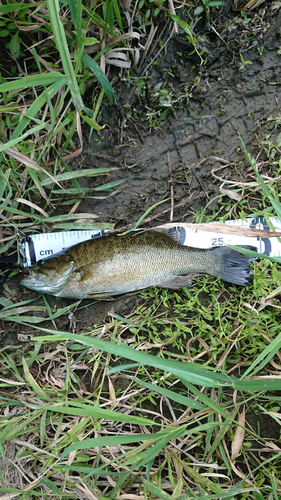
113, 265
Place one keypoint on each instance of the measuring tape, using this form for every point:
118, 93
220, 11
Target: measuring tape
202, 238
41, 246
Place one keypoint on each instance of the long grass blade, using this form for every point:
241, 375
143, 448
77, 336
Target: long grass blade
264, 187
112, 441
38, 104
96, 412
61, 43
13, 142
187, 372
31, 81
75, 174
174, 396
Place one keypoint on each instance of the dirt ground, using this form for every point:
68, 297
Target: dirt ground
226, 100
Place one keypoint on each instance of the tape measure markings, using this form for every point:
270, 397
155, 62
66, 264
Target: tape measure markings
39, 246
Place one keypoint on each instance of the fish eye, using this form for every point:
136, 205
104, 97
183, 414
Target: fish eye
41, 262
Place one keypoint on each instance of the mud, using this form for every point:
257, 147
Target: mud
176, 157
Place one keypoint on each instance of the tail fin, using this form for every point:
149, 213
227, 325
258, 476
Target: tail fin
235, 266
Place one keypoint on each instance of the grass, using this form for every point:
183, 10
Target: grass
178, 399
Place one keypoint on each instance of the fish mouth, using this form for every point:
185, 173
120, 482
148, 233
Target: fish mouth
43, 284
34, 282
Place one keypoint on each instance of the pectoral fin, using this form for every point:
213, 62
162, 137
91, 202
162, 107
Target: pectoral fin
100, 295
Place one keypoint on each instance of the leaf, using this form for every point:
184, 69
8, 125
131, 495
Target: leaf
264, 187
31, 131
91, 122
15, 46
111, 441
32, 382
102, 78
6, 9
75, 174
236, 444
109, 186
39, 102
186, 371
83, 410
174, 396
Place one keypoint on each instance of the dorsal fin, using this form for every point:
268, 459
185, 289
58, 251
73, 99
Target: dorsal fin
176, 234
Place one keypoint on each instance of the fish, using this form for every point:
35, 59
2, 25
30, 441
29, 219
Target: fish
113, 265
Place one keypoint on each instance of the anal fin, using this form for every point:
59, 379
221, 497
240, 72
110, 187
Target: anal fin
176, 282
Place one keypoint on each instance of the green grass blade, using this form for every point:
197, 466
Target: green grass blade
31, 81
102, 78
157, 492
73, 10
38, 104
145, 215
96, 412
75, 174
118, 14
109, 186
70, 226
51, 485
264, 187
79, 18
32, 382
186, 371
258, 384
206, 400
174, 396
61, 43
264, 357
15, 141
12, 7
111, 441
17, 430
256, 255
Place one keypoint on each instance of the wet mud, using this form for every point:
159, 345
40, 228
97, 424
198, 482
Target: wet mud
198, 141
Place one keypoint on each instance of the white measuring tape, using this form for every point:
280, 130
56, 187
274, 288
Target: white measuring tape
40, 246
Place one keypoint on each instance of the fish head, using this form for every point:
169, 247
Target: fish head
51, 275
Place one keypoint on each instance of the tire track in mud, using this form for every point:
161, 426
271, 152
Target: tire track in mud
233, 101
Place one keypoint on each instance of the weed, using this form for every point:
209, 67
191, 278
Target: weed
206, 7
244, 63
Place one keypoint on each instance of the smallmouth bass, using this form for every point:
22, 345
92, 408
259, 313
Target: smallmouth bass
113, 265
